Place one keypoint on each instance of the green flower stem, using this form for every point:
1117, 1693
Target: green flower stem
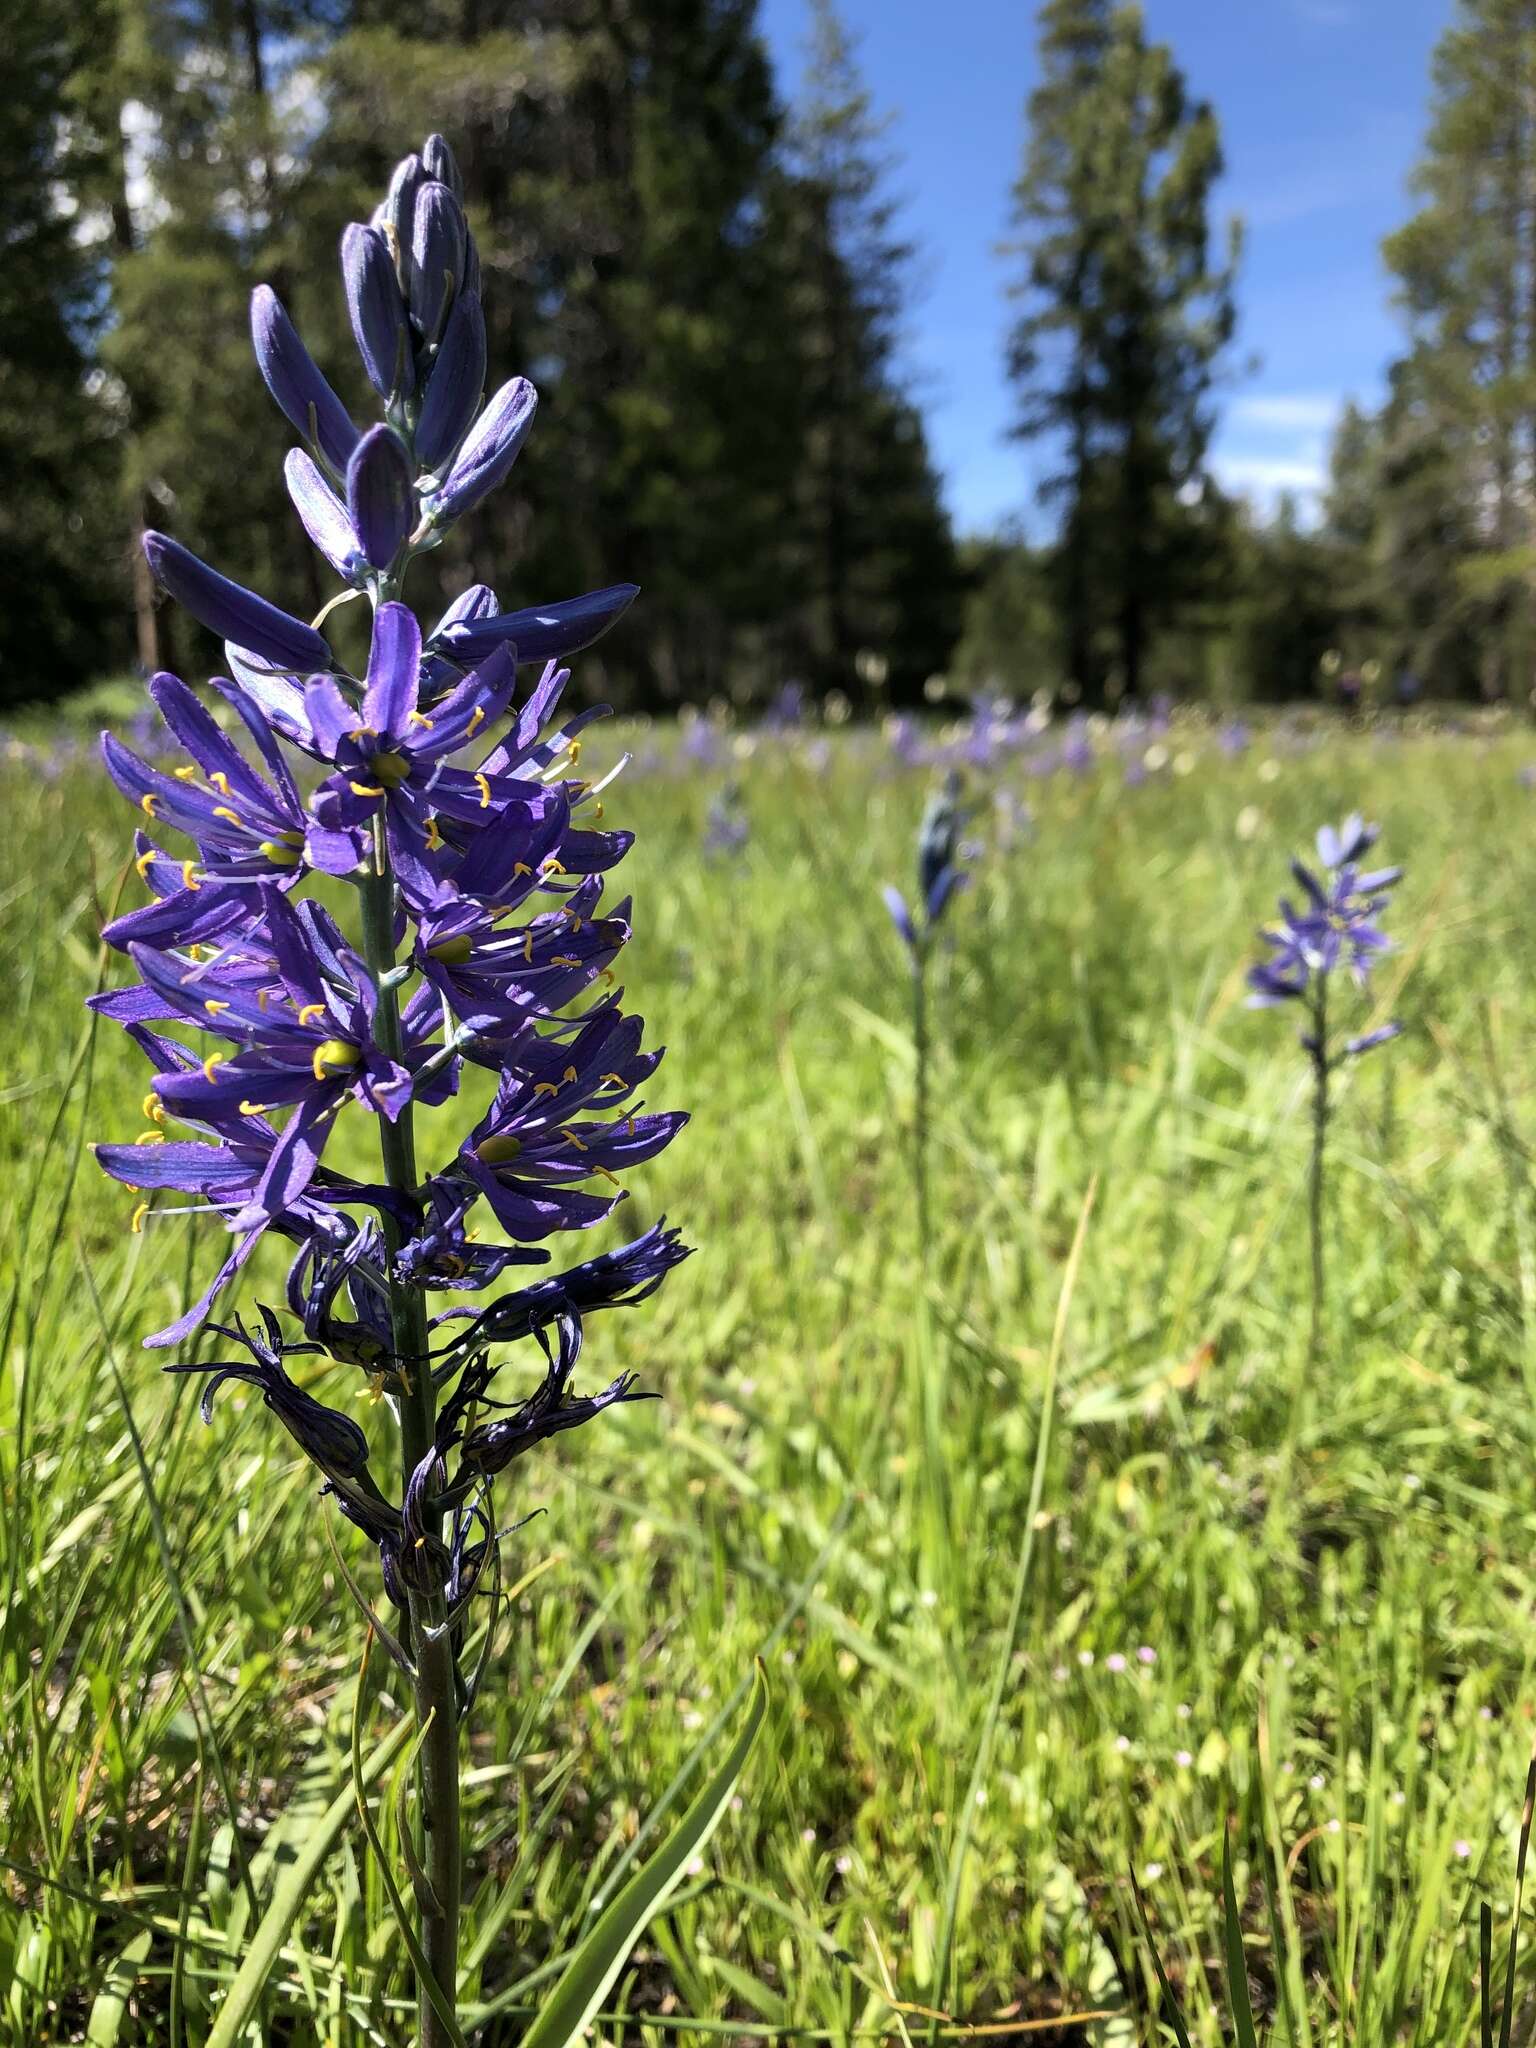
1315, 1183
436, 1689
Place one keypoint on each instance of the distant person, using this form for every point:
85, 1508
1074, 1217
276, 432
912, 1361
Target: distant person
1406, 686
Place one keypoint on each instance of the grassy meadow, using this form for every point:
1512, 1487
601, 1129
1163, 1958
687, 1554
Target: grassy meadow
1061, 1562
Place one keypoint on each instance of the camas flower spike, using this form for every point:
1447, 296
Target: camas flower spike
450, 801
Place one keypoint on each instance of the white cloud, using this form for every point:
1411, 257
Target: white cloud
1312, 413
1265, 478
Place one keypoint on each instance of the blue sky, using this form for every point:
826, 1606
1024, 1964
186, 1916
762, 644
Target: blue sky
1322, 105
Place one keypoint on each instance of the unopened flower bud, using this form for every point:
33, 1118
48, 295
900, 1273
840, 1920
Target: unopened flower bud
381, 497
377, 310
324, 516
232, 611
438, 161
306, 399
437, 258
490, 451
454, 386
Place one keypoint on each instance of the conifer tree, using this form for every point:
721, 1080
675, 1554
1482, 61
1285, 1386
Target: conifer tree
881, 572
1461, 425
1124, 314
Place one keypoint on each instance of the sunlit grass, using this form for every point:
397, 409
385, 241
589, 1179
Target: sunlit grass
1329, 1650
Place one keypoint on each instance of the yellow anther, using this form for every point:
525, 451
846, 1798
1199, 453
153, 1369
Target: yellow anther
574, 1140
565, 960
630, 1123
569, 1074
145, 862
220, 782
550, 866
366, 788
185, 774
545, 1088
234, 817
484, 788
573, 915
452, 951
263, 997
311, 1010
154, 1108
214, 1007
136, 1220
527, 949
214, 1059
375, 1386
150, 1138
434, 837
575, 752
419, 718
608, 977
196, 952
497, 1151
521, 867
281, 856
476, 720
616, 1080
254, 1108
597, 810
335, 1055
609, 1176
147, 803
189, 875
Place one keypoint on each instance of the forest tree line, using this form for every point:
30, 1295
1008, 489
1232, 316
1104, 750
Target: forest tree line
702, 267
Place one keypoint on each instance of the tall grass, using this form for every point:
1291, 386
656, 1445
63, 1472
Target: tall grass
963, 1776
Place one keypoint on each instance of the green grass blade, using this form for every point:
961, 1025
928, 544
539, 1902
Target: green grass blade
289, 1894
591, 1971
1237, 1963
111, 2001
1172, 2014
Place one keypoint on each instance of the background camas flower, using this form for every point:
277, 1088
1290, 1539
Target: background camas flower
1336, 924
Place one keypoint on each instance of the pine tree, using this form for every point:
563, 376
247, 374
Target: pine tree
1462, 430
881, 572
1125, 314
58, 569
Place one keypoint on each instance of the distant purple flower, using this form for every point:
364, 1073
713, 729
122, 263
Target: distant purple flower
939, 875
726, 825
1336, 924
